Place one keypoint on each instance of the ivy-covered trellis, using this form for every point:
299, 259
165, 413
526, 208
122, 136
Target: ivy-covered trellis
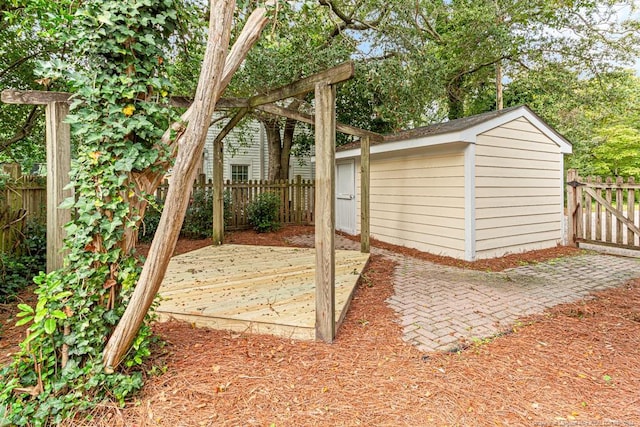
87, 332
118, 117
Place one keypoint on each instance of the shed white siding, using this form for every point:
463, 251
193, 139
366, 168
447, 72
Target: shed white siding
418, 201
518, 182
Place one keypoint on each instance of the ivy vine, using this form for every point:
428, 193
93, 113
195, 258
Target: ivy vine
119, 113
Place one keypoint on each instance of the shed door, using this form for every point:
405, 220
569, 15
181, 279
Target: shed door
346, 197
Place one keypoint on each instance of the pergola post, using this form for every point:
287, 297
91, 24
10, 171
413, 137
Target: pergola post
325, 124
218, 176
365, 177
218, 193
58, 137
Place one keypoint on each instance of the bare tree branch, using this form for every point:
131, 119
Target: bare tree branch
24, 131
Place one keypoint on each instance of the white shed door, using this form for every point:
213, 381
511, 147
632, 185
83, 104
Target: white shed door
346, 197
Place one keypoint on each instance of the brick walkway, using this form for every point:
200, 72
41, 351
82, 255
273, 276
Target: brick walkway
441, 306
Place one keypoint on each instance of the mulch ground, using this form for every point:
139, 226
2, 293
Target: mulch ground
576, 364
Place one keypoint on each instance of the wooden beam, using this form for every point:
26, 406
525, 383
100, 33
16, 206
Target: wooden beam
572, 207
218, 177
58, 136
333, 75
310, 119
325, 211
222, 104
41, 97
365, 177
33, 97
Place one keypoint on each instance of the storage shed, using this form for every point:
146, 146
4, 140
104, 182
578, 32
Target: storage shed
477, 187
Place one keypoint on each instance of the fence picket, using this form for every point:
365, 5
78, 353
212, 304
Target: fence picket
607, 213
631, 204
587, 212
296, 198
619, 203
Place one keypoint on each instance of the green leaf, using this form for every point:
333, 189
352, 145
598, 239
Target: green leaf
50, 325
24, 321
67, 203
40, 314
24, 308
33, 335
62, 295
58, 314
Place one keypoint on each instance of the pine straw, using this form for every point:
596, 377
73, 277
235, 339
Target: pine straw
577, 364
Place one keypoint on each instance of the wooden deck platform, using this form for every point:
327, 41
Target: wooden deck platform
258, 289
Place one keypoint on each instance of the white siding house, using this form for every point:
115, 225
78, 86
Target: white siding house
478, 187
246, 156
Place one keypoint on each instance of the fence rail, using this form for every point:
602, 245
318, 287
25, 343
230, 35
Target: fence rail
603, 211
297, 198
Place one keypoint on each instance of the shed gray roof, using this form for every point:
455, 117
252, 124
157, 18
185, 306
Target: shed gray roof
464, 126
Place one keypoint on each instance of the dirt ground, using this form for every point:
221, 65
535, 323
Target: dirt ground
575, 365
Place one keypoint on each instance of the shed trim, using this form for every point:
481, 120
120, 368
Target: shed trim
470, 203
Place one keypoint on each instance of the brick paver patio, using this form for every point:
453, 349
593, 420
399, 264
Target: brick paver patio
440, 306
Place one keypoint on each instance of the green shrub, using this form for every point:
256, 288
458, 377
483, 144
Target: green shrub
149, 223
18, 269
198, 220
263, 212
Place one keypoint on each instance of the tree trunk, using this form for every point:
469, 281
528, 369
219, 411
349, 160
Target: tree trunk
213, 78
274, 144
499, 99
455, 98
285, 152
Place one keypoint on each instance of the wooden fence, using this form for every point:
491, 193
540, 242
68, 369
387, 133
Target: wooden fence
297, 198
603, 211
23, 198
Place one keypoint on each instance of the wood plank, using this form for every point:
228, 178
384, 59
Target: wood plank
571, 208
331, 76
365, 192
587, 212
310, 119
325, 95
619, 203
598, 212
218, 176
42, 97
608, 210
580, 209
58, 137
253, 288
631, 204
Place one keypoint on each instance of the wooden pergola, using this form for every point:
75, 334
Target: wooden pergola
324, 86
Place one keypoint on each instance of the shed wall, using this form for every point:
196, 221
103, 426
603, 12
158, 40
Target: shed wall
518, 180
418, 201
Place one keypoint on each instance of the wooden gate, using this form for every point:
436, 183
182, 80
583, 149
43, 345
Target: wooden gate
603, 211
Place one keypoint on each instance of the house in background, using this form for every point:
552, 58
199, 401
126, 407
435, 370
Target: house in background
477, 187
246, 155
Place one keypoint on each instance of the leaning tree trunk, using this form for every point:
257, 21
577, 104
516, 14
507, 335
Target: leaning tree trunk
189, 143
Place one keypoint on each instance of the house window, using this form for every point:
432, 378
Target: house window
239, 173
